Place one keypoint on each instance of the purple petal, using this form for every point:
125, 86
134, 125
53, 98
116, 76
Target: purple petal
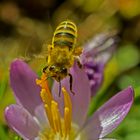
96, 54
21, 121
94, 72
110, 115
81, 99
22, 80
40, 114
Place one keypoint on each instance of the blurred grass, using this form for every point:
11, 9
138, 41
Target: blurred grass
3, 135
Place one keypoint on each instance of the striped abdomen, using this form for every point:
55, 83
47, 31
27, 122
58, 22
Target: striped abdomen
65, 35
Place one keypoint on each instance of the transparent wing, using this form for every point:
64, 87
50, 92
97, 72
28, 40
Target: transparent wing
34, 50
101, 46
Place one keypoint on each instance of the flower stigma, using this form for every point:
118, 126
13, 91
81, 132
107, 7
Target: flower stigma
61, 128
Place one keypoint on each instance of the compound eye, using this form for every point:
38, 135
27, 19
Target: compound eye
64, 70
52, 68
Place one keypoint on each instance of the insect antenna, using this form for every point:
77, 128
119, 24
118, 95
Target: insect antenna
71, 81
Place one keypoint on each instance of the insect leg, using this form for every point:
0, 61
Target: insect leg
77, 51
79, 64
59, 88
71, 81
44, 69
78, 61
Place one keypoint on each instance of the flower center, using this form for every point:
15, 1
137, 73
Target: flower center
48, 134
60, 127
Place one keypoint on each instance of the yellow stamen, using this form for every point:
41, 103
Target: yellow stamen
56, 117
60, 126
67, 100
46, 97
67, 122
43, 83
67, 111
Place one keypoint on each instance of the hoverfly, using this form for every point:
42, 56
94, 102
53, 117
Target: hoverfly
62, 53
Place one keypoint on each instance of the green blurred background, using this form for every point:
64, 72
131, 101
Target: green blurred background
26, 25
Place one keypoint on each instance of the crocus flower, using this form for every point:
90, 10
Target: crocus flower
96, 54
61, 118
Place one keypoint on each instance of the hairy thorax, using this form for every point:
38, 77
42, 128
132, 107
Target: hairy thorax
62, 56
